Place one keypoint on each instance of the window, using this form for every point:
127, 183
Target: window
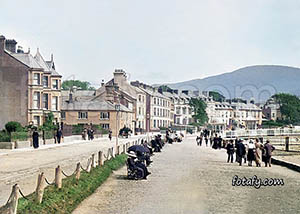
104, 115
82, 115
46, 81
178, 110
184, 110
54, 103
154, 100
63, 115
154, 112
139, 124
36, 120
36, 79
154, 123
140, 98
45, 101
36, 100
143, 99
140, 110
55, 84
105, 126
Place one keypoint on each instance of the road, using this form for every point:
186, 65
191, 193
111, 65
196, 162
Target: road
22, 166
190, 179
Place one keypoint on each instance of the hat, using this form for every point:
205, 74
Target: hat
131, 154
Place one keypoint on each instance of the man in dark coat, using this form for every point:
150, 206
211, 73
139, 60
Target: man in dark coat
35, 139
215, 142
230, 151
268, 148
240, 151
59, 135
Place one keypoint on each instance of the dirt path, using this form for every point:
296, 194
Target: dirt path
189, 179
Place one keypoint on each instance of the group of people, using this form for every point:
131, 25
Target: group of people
172, 136
87, 133
57, 134
250, 151
139, 157
206, 136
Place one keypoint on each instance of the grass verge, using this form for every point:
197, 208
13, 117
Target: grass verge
72, 193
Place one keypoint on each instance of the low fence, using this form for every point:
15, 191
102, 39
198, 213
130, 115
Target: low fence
262, 132
11, 206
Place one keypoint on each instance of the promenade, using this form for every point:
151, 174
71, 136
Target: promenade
190, 179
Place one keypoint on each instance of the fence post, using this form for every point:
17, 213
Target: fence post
118, 150
100, 158
77, 173
124, 148
40, 188
112, 152
287, 141
58, 177
11, 206
89, 165
93, 161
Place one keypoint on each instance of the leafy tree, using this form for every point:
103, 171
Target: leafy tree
289, 107
48, 124
216, 96
164, 88
13, 126
68, 84
199, 107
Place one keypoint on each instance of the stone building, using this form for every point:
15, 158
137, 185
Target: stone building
30, 86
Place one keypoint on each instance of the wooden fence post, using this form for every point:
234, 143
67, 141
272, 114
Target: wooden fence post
40, 188
112, 152
89, 165
118, 150
287, 146
93, 161
11, 206
77, 173
58, 177
100, 158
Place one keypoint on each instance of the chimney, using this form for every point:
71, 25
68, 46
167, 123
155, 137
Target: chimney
120, 77
102, 83
10, 45
109, 93
185, 92
160, 90
2, 45
20, 49
175, 91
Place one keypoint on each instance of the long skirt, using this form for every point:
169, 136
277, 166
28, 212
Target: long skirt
250, 155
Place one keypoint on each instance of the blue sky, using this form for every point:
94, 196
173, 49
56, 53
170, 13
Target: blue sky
155, 41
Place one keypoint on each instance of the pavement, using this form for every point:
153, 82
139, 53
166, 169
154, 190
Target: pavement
22, 166
190, 179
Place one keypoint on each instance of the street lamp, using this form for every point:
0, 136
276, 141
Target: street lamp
117, 108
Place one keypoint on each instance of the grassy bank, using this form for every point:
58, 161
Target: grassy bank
72, 193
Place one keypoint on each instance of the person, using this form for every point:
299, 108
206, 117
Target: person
268, 148
200, 140
215, 142
250, 153
197, 140
83, 134
110, 135
230, 151
258, 152
35, 139
220, 140
206, 140
91, 134
240, 151
59, 135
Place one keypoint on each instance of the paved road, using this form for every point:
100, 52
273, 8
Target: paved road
189, 179
22, 166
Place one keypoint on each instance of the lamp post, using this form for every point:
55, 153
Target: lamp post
117, 108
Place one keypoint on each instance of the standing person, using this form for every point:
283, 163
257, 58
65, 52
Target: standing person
250, 153
59, 135
230, 151
83, 134
197, 140
89, 133
240, 151
220, 142
35, 139
215, 142
211, 140
110, 135
258, 152
269, 148
92, 134
206, 140
201, 140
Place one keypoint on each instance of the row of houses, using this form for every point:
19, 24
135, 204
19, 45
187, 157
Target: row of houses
31, 88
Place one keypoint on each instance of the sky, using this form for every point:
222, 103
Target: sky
155, 41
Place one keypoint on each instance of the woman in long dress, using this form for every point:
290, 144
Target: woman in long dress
250, 153
35, 139
258, 153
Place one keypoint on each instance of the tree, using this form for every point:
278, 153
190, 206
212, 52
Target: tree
289, 107
68, 84
164, 88
199, 107
13, 126
216, 96
48, 124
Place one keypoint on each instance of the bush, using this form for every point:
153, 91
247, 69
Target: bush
22, 136
101, 130
4, 137
125, 131
48, 134
77, 129
13, 126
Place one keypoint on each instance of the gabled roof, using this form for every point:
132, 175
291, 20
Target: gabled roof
27, 59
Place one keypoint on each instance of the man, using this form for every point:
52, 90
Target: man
230, 151
215, 142
220, 142
59, 135
240, 151
269, 148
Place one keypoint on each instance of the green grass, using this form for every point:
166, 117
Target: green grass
69, 197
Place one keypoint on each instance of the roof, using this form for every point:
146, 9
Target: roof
27, 59
95, 105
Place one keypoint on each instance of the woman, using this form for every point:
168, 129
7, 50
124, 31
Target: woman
35, 139
250, 153
258, 152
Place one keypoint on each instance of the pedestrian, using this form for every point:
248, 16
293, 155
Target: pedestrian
240, 151
230, 151
92, 134
83, 134
201, 140
250, 152
197, 140
220, 140
35, 138
89, 133
206, 140
110, 135
59, 135
258, 152
268, 148
215, 142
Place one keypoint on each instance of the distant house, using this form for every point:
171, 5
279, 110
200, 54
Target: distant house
271, 110
30, 86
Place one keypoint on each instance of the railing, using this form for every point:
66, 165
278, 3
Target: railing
262, 132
